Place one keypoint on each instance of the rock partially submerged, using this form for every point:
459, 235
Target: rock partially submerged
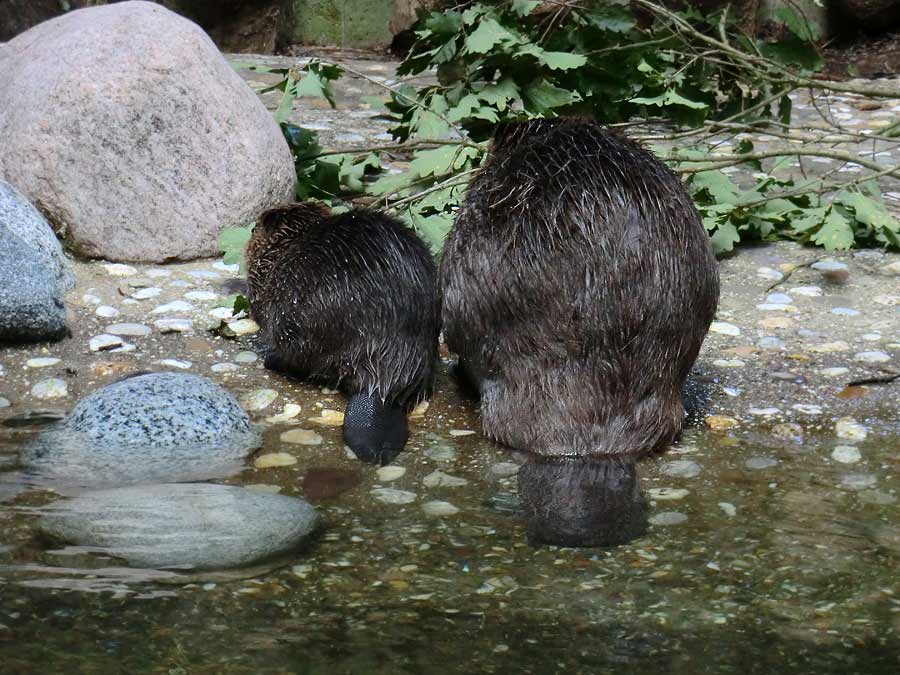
146, 144
34, 273
156, 427
183, 526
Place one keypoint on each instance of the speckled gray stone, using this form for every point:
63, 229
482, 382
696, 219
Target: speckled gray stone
183, 526
159, 427
34, 273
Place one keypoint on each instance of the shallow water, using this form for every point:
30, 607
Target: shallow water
761, 556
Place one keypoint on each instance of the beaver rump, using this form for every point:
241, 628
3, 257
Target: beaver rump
577, 285
348, 300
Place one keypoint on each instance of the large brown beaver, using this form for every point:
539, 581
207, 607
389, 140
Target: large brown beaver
577, 285
348, 299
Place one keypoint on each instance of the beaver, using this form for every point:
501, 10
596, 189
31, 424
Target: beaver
348, 300
577, 286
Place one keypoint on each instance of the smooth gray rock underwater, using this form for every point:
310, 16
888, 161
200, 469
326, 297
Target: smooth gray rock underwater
184, 526
146, 143
150, 428
34, 273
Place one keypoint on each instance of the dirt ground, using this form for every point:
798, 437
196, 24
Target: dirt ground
865, 56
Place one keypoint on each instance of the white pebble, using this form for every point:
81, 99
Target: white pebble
765, 412
729, 363
807, 291
204, 274
683, 468
146, 293
775, 307
291, 410
223, 367
388, 473
724, 328
392, 496
118, 270
848, 428
438, 478
779, 299
175, 306
106, 311
175, 363
128, 329
505, 469
668, 518
769, 273
104, 342
222, 313
758, 463
461, 432
439, 508
858, 481
42, 362
807, 408
834, 372
728, 508
174, 325
844, 311
258, 399
667, 494
201, 295
52, 388
872, 357
155, 273
846, 454
90, 299
4, 402
245, 357
871, 337
243, 326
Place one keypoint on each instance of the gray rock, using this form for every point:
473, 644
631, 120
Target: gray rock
34, 273
183, 526
159, 427
19, 219
146, 143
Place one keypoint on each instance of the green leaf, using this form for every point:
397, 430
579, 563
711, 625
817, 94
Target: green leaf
724, 239
798, 24
835, 233
488, 34
811, 219
670, 97
445, 23
433, 229
500, 93
524, 7
544, 96
441, 161
611, 18
391, 184
868, 211
554, 60
719, 186
311, 84
283, 111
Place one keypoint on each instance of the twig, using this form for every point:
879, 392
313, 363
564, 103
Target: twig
788, 274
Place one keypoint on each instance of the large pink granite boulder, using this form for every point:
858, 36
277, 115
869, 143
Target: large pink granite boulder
128, 129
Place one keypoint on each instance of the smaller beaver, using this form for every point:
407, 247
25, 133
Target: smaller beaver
348, 300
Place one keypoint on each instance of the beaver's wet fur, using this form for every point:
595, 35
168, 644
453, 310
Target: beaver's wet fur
578, 283
349, 300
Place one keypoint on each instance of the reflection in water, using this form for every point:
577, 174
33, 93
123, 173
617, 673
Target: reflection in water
582, 502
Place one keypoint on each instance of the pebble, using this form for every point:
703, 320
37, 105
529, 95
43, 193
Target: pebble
291, 410
668, 518
764, 412
389, 473
769, 273
146, 293
204, 274
775, 307
243, 327
175, 306
440, 479
103, 342
858, 481
889, 300
51, 388
667, 494
788, 431
872, 357
759, 463
90, 299
807, 408
439, 508
720, 422
504, 469
723, 328
245, 357
834, 372
155, 273
776, 322
128, 329
836, 272
106, 312
224, 367
258, 399
274, 459
440, 453
779, 299
392, 496
846, 454
201, 295
461, 432
829, 347
844, 311
729, 363
173, 325
893, 268
681, 468
771, 343
728, 508
876, 497
118, 270
851, 430
4, 402
807, 291
221, 313
328, 418
42, 362
175, 363
301, 437
871, 337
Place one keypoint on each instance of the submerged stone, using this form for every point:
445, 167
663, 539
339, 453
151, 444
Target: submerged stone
158, 427
183, 526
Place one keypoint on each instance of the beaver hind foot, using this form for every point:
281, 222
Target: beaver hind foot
376, 431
